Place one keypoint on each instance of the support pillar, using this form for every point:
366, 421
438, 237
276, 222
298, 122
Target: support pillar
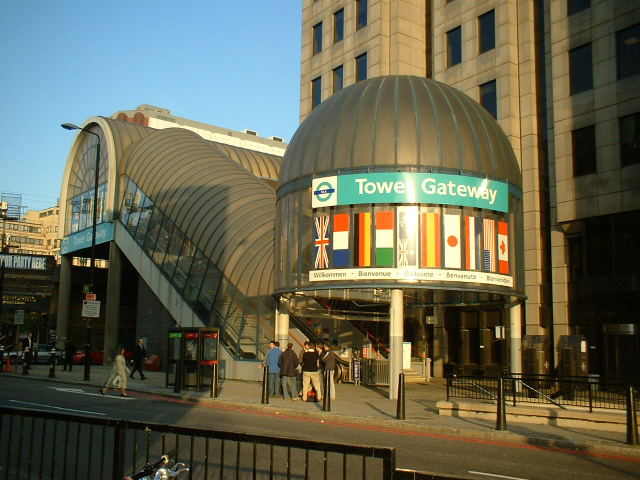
396, 336
515, 334
282, 323
112, 311
64, 300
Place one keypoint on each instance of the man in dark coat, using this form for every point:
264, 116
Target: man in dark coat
139, 354
69, 352
328, 359
288, 362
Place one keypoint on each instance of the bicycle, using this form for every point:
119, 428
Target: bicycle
163, 469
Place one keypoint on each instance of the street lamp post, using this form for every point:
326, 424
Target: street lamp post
87, 346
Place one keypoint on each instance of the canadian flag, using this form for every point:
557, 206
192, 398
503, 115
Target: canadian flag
503, 247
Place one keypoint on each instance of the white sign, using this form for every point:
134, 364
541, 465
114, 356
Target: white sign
90, 308
19, 317
410, 274
406, 355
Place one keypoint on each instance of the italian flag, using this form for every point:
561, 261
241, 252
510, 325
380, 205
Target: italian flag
384, 239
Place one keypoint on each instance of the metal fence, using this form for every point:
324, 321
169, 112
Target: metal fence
35, 444
560, 391
375, 371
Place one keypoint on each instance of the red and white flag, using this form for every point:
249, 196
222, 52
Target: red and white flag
503, 247
489, 248
452, 250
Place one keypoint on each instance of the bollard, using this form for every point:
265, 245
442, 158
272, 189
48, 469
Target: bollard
265, 386
214, 380
632, 419
178, 379
400, 406
25, 366
1, 358
501, 419
52, 370
326, 399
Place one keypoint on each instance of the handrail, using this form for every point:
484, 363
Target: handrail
515, 380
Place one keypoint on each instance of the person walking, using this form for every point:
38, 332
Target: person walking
311, 375
27, 351
288, 362
119, 369
328, 359
271, 361
69, 352
139, 354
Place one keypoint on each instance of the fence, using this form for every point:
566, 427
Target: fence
560, 391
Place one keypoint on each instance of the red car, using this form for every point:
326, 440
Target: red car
97, 357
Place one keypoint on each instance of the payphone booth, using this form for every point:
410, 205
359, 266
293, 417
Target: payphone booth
194, 351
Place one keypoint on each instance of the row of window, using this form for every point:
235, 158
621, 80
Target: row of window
26, 240
23, 228
48, 213
573, 6
583, 145
337, 77
627, 55
486, 38
338, 25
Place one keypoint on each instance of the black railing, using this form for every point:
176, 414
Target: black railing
36, 444
560, 391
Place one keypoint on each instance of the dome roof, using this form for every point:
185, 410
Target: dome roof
400, 123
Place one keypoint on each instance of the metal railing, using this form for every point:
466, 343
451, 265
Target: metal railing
36, 444
559, 391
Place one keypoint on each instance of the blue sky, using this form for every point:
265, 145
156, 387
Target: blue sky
231, 63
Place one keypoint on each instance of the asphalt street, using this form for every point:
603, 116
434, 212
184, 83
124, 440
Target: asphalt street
436, 451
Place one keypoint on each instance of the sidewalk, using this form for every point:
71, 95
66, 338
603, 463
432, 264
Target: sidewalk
366, 406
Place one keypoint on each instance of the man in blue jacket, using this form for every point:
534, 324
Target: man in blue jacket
271, 361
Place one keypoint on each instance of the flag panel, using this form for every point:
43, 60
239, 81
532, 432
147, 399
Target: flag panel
489, 245
321, 243
503, 247
407, 237
362, 239
341, 240
430, 240
452, 250
384, 239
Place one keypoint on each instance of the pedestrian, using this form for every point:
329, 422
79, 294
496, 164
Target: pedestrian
69, 352
271, 361
288, 362
310, 369
139, 354
119, 369
27, 351
305, 348
329, 361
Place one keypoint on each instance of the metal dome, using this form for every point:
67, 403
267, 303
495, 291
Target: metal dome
435, 128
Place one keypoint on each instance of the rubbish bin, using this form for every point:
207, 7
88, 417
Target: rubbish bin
152, 363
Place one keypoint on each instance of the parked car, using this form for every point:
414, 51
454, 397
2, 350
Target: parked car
97, 357
41, 354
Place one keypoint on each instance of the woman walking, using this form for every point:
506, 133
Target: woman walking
119, 369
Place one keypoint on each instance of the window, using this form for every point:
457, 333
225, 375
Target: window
361, 14
317, 38
628, 51
630, 139
488, 97
580, 69
338, 78
316, 92
487, 31
575, 6
361, 67
338, 25
454, 46
583, 145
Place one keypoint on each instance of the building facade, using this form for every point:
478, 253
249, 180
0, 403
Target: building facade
562, 80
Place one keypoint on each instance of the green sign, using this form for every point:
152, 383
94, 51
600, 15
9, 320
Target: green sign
175, 334
410, 188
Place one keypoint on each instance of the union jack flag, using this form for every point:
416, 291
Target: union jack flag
321, 242
403, 252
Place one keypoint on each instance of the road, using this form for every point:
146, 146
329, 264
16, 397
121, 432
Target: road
435, 453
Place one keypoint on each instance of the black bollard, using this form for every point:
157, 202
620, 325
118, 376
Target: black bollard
265, 386
632, 419
25, 366
52, 370
326, 400
214, 381
178, 379
501, 419
400, 407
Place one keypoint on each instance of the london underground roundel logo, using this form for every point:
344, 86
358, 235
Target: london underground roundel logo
325, 192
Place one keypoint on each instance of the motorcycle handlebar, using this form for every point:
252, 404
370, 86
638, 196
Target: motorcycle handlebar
150, 468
